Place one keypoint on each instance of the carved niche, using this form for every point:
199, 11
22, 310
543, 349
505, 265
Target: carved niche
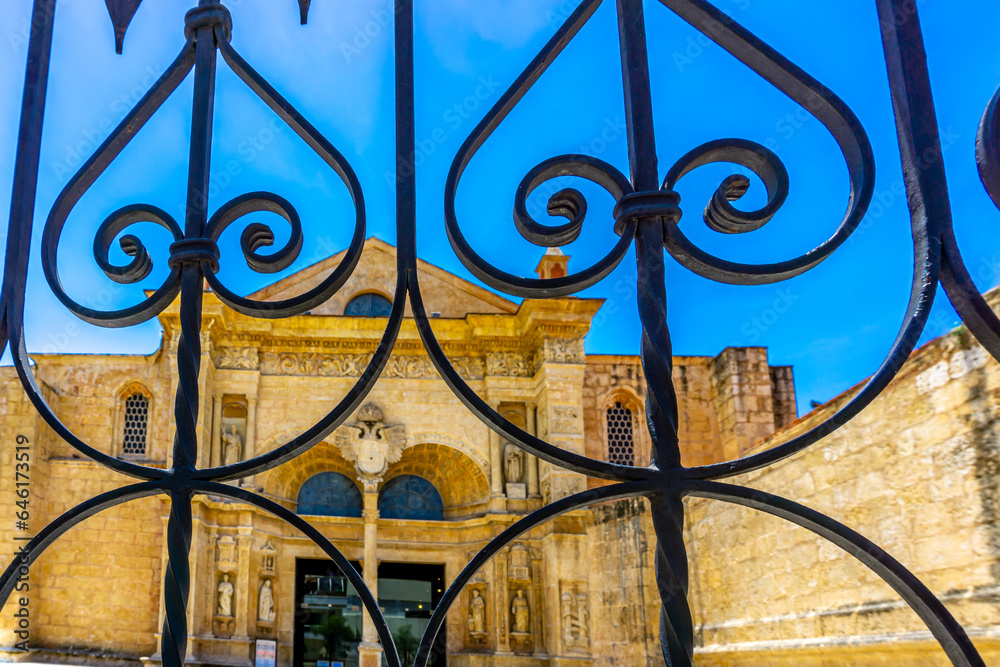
371, 444
226, 559
268, 556
520, 602
233, 430
478, 628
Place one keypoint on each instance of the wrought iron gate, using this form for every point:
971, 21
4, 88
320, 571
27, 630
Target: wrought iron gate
647, 213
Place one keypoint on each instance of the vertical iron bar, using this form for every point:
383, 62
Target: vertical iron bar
406, 178
676, 631
25, 185
178, 577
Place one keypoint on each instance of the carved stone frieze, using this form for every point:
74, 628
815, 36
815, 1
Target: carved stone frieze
353, 365
508, 364
556, 486
559, 351
239, 358
565, 419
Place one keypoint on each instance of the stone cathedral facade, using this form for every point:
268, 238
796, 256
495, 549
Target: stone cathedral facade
409, 489
413, 485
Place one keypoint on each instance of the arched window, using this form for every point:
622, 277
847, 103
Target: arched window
136, 424
330, 494
621, 446
410, 497
368, 305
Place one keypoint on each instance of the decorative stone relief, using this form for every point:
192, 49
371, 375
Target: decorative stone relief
371, 444
575, 615
565, 420
520, 563
353, 365
556, 487
267, 558
511, 364
239, 358
513, 471
559, 351
225, 553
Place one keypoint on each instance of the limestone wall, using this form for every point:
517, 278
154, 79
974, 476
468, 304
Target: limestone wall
625, 601
916, 473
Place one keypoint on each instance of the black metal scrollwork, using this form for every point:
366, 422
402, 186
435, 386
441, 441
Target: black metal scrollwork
646, 212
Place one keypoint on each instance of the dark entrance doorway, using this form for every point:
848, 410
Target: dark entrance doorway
327, 616
329, 613
408, 593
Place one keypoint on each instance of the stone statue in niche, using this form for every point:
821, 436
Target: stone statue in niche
265, 603
232, 446
512, 463
513, 471
477, 613
225, 597
522, 615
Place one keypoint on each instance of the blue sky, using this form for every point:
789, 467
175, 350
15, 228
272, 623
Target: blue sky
834, 324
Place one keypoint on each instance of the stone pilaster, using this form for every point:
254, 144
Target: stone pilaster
370, 650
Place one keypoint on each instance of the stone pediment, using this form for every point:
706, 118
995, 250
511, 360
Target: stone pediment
443, 292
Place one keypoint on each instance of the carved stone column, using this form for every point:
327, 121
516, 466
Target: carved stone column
215, 449
502, 602
496, 465
250, 446
243, 597
370, 650
530, 460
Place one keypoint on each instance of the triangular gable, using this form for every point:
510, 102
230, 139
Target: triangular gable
442, 292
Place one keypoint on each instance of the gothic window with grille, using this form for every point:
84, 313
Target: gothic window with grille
621, 449
136, 425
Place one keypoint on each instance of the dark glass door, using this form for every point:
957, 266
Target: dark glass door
327, 616
329, 612
408, 593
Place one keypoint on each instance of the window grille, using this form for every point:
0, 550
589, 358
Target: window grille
621, 448
136, 425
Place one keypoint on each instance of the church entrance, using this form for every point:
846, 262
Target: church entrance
328, 611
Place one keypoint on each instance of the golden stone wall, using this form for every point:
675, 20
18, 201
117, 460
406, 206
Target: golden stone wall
916, 473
